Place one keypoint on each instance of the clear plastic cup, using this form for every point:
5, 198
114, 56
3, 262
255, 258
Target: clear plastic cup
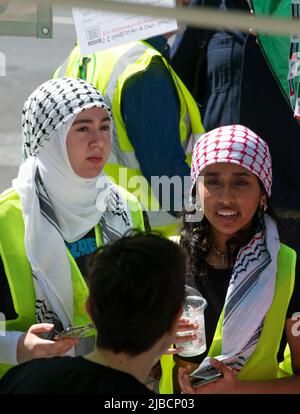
194, 311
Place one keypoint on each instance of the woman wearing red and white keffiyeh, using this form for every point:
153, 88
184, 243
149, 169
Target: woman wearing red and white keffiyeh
240, 267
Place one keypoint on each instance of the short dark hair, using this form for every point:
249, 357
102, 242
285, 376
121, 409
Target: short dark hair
136, 288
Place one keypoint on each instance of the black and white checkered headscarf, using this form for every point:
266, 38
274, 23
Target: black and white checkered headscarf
57, 204
53, 104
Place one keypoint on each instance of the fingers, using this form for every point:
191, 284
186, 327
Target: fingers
174, 351
40, 328
220, 366
181, 379
31, 345
188, 328
185, 324
185, 332
46, 350
185, 338
183, 321
62, 346
184, 380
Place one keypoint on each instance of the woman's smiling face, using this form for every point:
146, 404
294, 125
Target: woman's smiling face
231, 195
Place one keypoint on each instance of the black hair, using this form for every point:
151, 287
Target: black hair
136, 289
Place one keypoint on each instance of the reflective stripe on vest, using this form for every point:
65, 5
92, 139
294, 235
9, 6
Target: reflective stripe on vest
108, 71
262, 365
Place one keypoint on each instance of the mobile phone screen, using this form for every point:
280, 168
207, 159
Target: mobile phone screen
76, 331
196, 382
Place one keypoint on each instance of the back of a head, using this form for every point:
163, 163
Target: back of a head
136, 289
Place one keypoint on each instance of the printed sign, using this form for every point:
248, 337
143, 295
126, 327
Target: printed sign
98, 30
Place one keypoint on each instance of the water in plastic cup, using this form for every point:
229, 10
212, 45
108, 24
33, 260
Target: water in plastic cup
194, 311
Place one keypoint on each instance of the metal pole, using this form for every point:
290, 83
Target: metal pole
194, 16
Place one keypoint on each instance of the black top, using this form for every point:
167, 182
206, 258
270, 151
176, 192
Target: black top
82, 249
67, 375
214, 291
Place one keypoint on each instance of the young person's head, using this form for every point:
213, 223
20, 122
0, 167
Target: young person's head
136, 292
236, 168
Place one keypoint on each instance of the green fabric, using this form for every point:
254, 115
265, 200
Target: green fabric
286, 364
276, 48
166, 381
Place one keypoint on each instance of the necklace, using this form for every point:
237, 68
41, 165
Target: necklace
223, 256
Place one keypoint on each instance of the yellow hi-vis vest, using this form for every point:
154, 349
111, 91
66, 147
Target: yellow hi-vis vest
263, 364
18, 270
108, 71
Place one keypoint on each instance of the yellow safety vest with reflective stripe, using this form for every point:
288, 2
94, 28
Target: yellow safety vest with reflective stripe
263, 364
108, 71
18, 270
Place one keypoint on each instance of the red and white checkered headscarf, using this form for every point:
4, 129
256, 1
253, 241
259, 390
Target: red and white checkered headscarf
235, 144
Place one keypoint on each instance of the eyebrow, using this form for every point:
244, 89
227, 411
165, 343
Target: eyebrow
90, 121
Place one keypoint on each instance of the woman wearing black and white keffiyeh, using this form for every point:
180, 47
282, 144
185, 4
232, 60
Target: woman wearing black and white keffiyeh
60, 198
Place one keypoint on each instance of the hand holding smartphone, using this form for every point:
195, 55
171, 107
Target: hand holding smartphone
196, 381
75, 331
207, 373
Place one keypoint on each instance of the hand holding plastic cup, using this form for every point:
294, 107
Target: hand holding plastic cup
194, 306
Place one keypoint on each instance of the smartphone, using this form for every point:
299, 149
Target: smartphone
76, 331
196, 382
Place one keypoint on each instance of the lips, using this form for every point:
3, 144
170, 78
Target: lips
95, 160
227, 213
227, 216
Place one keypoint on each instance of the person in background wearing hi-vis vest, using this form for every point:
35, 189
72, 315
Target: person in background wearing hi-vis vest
59, 209
241, 268
136, 287
155, 119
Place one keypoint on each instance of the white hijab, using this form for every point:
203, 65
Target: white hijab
73, 197
57, 204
